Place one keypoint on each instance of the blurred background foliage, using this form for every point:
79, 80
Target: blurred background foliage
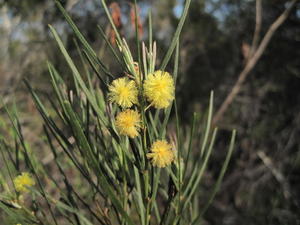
263, 182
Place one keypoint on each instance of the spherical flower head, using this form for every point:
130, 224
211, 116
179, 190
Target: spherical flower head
123, 92
23, 181
128, 123
161, 154
159, 89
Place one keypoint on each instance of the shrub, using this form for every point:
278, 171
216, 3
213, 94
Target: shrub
114, 160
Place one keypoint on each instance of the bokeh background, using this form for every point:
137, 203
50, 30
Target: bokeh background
262, 185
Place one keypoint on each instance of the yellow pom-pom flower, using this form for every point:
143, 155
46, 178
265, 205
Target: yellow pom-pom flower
123, 92
23, 181
161, 154
159, 89
128, 123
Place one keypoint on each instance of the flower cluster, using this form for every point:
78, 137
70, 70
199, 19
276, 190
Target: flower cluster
158, 89
123, 92
23, 181
161, 154
128, 123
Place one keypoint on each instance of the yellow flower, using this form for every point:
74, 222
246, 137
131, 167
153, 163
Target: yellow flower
123, 92
23, 181
161, 154
159, 89
128, 123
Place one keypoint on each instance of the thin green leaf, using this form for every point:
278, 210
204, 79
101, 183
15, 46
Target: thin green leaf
72, 66
201, 171
83, 41
219, 180
167, 57
208, 123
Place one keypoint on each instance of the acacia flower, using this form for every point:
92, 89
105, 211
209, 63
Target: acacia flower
23, 181
123, 92
161, 154
159, 89
128, 123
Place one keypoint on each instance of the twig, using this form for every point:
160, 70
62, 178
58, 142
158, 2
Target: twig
258, 19
276, 173
252, 62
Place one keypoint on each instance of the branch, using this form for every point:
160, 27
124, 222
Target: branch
252, 61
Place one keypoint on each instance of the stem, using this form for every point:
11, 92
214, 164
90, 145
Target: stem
124, 186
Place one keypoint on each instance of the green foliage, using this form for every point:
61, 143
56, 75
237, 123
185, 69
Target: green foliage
118, 184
